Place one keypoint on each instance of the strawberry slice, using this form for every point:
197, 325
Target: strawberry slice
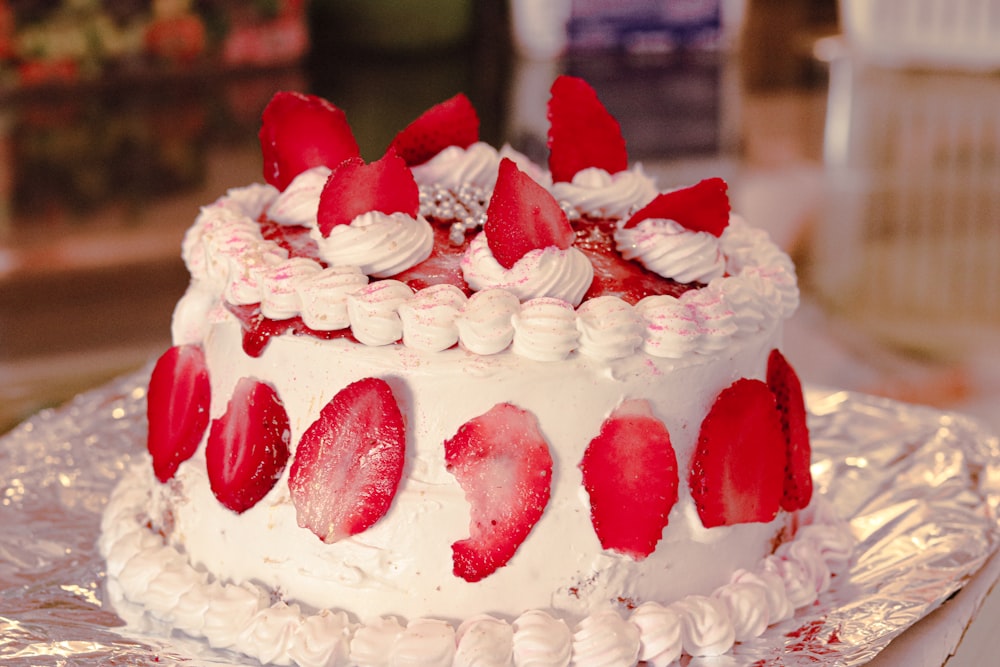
630, 473
177, 406
702, 207
453, 122
247, 447
787, 389
349, 461
502, 462
354, 188
299, 132
523, 216
582, 133
737, 471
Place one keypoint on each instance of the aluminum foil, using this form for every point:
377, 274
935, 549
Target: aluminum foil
921, 489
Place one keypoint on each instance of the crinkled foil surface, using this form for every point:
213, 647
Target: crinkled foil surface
920, 487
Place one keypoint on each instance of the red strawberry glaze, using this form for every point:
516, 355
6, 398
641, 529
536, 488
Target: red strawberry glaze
293, 238
258, 330
442, 267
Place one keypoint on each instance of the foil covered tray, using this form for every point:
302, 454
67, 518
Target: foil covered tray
921, 488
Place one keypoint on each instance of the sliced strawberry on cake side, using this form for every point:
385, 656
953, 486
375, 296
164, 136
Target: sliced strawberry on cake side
177, 405
349, 462
787, 389
247, 447
582, 133
502, 462
354, 188
453, 122
702, 207
299, 132
630, 474
523, 216
737, 472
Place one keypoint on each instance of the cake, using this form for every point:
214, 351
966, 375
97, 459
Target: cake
451, 407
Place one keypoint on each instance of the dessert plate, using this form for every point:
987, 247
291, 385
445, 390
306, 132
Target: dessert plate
920, 487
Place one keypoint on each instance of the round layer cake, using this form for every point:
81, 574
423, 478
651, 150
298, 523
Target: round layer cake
449, 407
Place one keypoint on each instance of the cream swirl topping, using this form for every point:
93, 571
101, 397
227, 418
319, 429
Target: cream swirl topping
541, 641
545, 329
382, 245
543, 272
297, 204
476, 165
660, 633
596, 193
609, 328
428, 318
484, 641
485, 326
672, 251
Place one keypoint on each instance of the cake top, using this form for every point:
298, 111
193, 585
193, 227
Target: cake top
445, 240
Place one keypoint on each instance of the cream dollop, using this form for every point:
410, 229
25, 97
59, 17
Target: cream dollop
428, 318
382, 245
485, 325
747, 605
484, 641
609, 328
706, 628
425, 641
323, 296
298, 202
669, 249
280, 296
543, 272
596, 193
373, 641
660, 631
541, 641
545, 329
604, 639
374, 311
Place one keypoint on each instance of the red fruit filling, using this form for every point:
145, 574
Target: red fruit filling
502, 462
247, 447
787, 389
299, 132
737, 473
349, 462
453, 122
177, 407
582, 133
630, 473
523, 216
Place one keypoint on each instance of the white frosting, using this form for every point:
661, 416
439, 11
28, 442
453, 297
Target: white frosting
660, 633
485, 325
374, 311
553, 272
541, 641
484, 641
609, 328
597, 193
669, 249
382, 245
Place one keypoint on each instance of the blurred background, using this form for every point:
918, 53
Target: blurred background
862, 134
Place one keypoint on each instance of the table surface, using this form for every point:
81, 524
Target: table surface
884, 186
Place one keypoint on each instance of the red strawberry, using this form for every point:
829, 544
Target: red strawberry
787, 388
582, 133
349, 462
523, 216
502, 462
630, 473
451, 123
702, 207
177, 408
354, 188
737, 472
247, 447
299, 132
